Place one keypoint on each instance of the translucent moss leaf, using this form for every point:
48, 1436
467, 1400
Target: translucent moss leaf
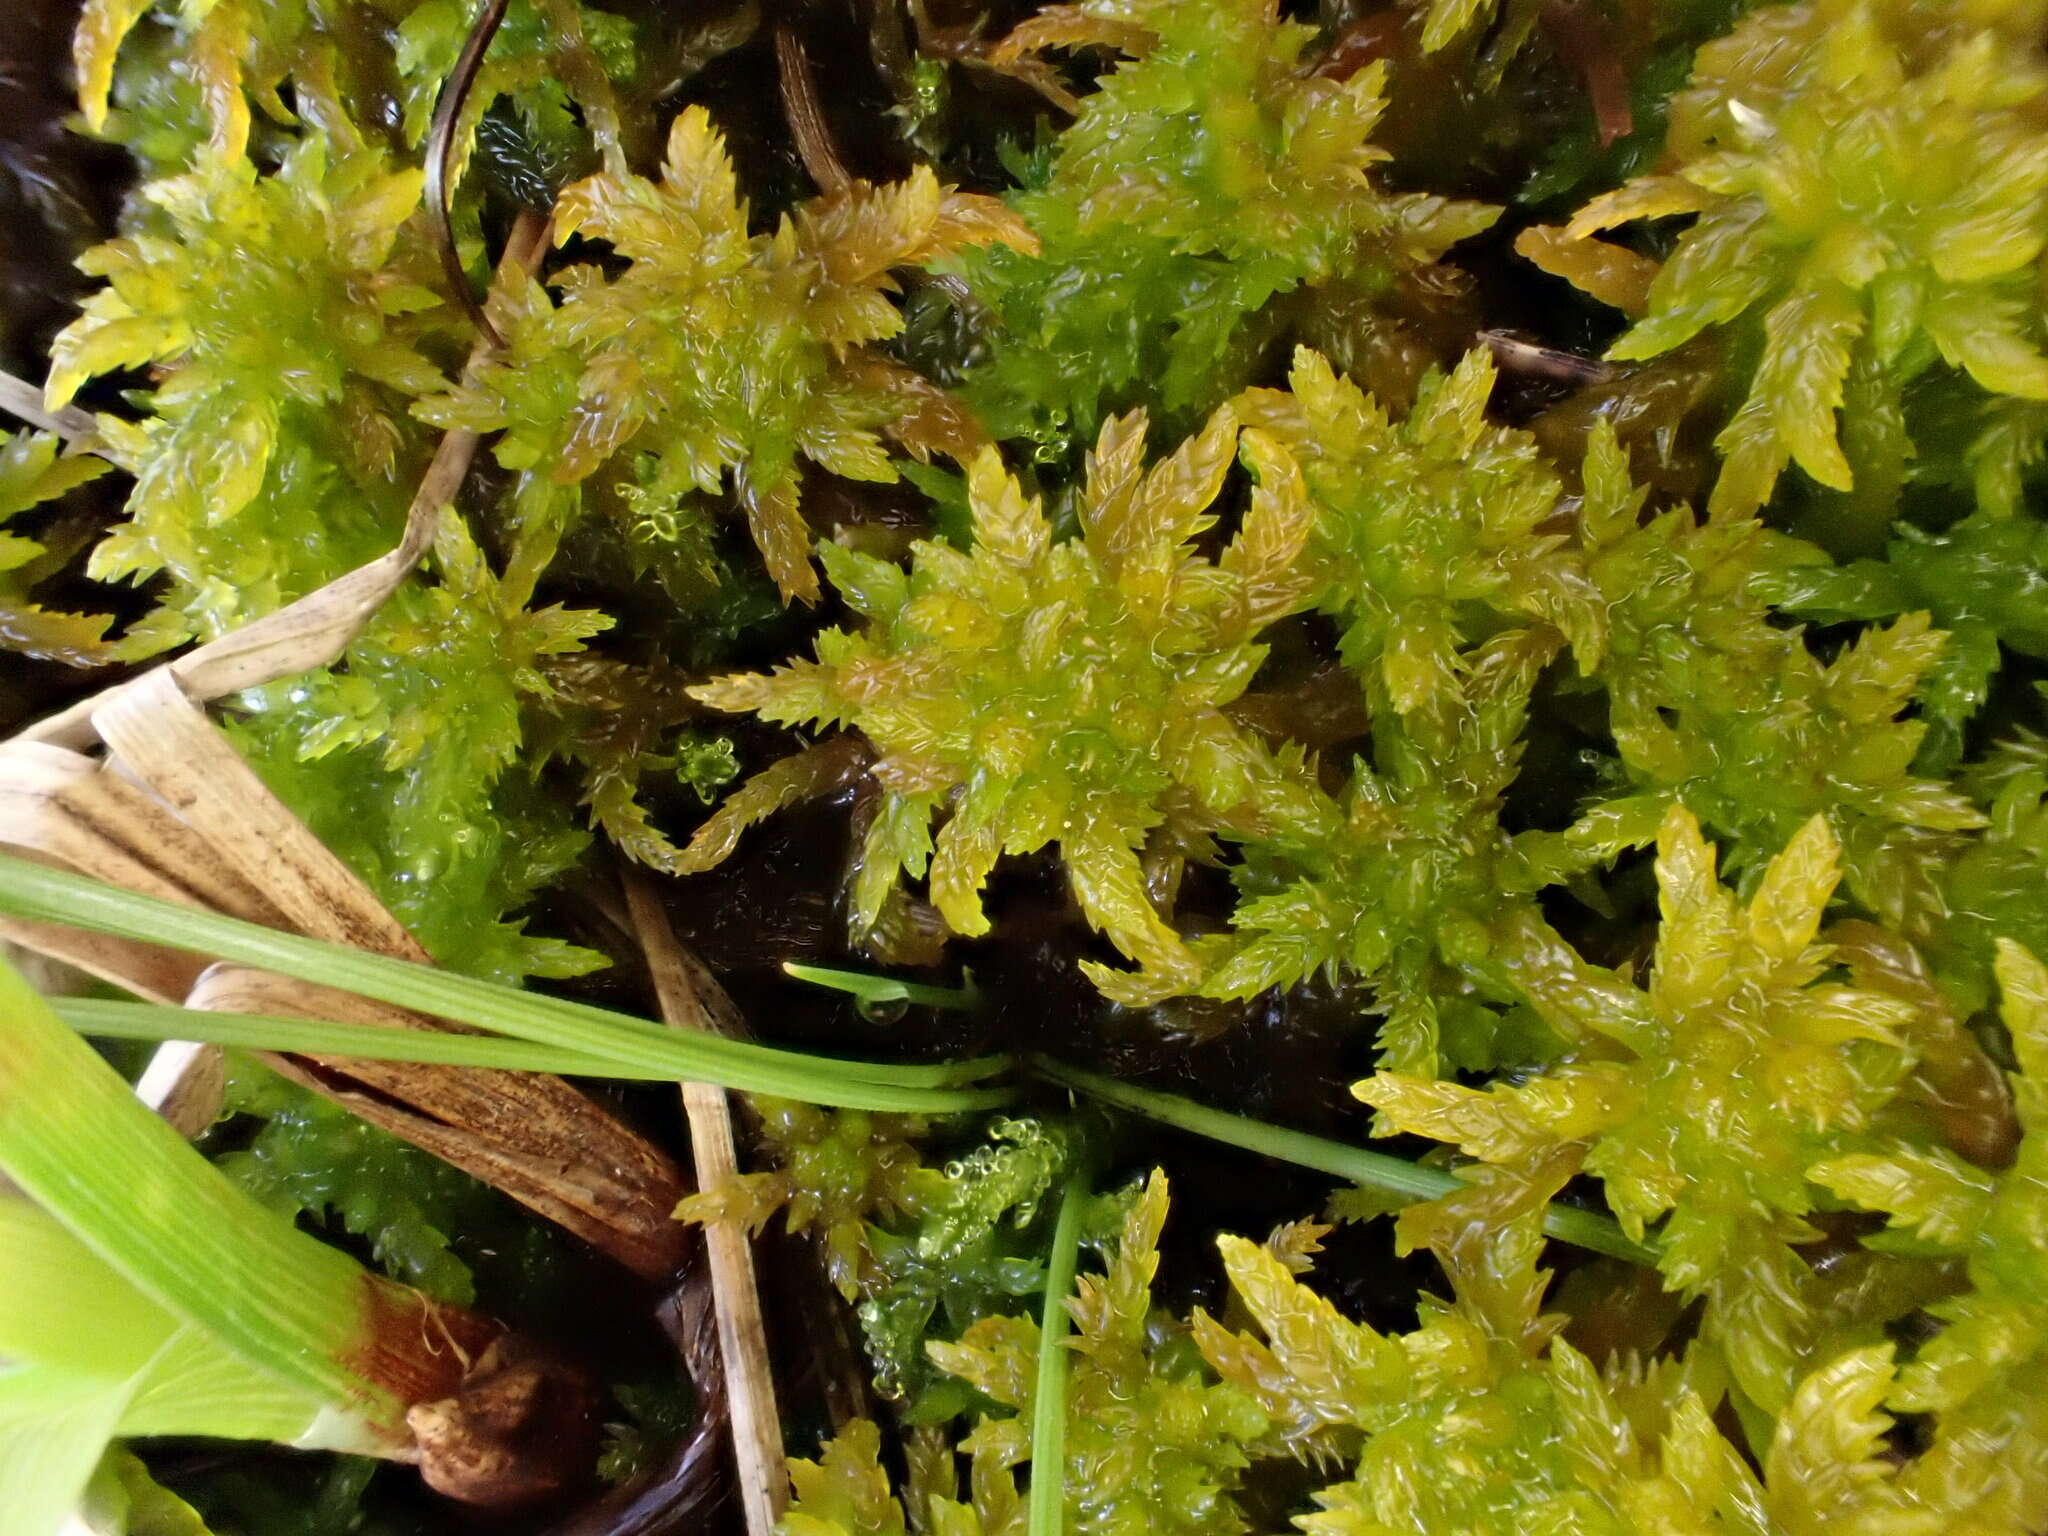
101, 26
1611, 273
1448, 18
1830, 1448
1808, 344
1928, 1191
1330, 1365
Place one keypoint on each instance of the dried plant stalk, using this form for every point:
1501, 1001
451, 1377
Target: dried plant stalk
21, 399
806, 114
691, 998
531, 1135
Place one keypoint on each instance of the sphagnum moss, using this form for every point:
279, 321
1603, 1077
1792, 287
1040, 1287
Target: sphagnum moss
1198, 617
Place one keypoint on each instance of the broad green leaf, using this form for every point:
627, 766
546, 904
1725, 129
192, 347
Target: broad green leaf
160, 1216
54, 1428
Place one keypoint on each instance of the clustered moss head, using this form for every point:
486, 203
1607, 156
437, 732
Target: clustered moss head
1214, 172
1706, 1098
1871, 185
1071, 691
718, 350
1152, 1443
1425, 524
287, 315
1403, 878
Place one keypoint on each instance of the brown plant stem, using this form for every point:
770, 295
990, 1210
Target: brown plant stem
806, 113
691, 998
22, 399
441, 161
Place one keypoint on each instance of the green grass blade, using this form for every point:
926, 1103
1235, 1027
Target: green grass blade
41, 894
1049, 1403
1377, 1170
871, 991
65, 1307
70, 1313
120, 1020
195, 1386
116, 1019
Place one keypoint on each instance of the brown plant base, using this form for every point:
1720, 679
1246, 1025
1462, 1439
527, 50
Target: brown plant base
522, 1426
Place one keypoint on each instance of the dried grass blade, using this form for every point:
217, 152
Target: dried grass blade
23, 400
691, 998
531, 1135
165, 739
148, 970
84, 813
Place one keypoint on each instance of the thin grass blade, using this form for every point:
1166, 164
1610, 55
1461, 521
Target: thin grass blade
1375, 1170
33, 891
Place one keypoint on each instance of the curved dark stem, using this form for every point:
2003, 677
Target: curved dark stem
441, 156
1514, 355
806, 114
682, 1493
